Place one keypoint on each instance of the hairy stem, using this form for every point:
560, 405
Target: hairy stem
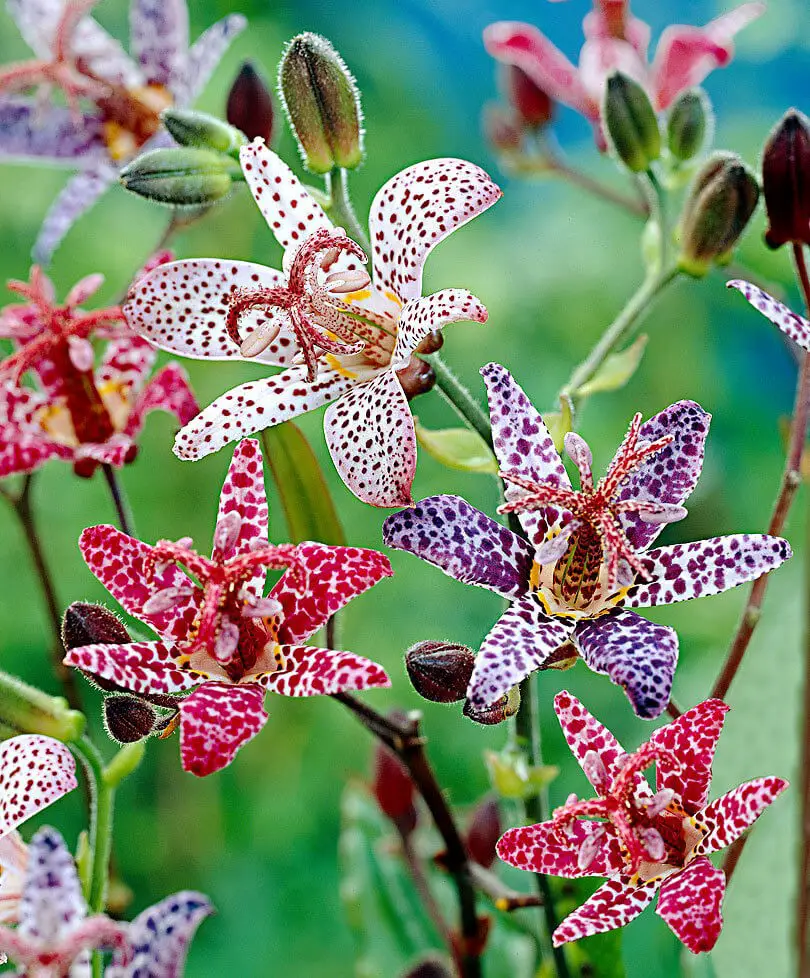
341, 209
119, 499
462, 401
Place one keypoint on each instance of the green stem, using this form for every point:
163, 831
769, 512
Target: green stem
102, 804
122, 509
460, 398
341, 209
658, 213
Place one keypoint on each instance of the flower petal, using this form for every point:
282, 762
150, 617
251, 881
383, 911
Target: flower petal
206, 53
371, 438
142, 667
613, 905
524, 446
670, 475
24, 445
37, 132
127, 360
585, 734
634, 653
422, 316
243, 493
414, 211
215, 721
695, 570
465, 543
521, 641
34, 773
726, 818
310, 671
691, 902
790, 323
168, 391
182, 307
158, 38
116, 451
333, 576
52, 904
547, 849
692, 739
78, 196
257, 405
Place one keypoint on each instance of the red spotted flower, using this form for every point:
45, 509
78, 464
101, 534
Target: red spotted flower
219, 634
643, 841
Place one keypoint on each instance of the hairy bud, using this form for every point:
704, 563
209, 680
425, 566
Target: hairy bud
484, 831
688, 124
440, 671
507, 706
250, 104
394, 790
534, 106
202, 131
91, 624
322, 104
786, 181
630, 123
182, 177
128, 719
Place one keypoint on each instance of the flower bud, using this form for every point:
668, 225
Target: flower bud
202, 131
786, 181
322, 104
440, 671
432, 967
534, 106
689, 121
181, 177
91, 624
431, 343
502, 128
507, 706
484, 831
250, 105
630, 123
128, 719
26, 710
720, 204
394, 790
417, 378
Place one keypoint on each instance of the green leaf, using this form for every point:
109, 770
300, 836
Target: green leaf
305, 496
617, 369
559, 423
601, 955
457, 448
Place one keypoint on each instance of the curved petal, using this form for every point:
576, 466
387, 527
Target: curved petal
205, 54
244, 495
695, 570
182, 307
585, 735
691, 904
24, 446
126, 360
34, 773
465, 543
168, 391
547, 849
613, 905
257, 405
158, 38
790, 323
422, 316
371, 438
634, 653
78, 196
600, 56
521, 641
142, 667
215, 721
726, 818
52, 904
116, 451
37, 132
333, 576
310, 671
415, 210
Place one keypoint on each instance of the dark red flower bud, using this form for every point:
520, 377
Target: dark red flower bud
432, 343
393, 788
484, 831
417, 378
440, 671
250, 105
91, 624
502, 128
534, 106
507, 706
786, 181
431, 967
128, 719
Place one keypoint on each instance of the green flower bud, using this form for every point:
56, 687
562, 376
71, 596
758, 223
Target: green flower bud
720, 204
181, 177
26, 710
322, 103
689, 122
202, 131
630, 123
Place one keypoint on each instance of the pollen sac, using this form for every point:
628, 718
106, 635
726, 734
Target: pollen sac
128, 719
440, 671
394, 790
631, 124
786, 181
202, 131
484, 830
502, 709
534, 106
322, 103
250, 105
91, 624
183, 176
688, 124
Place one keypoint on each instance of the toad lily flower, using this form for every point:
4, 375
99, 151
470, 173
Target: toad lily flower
77, 413
353, 335
615, 40
76, 56
643, 841
585, 558
222, 635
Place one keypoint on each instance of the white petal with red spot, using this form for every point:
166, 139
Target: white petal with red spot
34, 773
613, 905
143, 667
585, 734
691, 903
726, 818
310, 671
215, 721
546, 848
421, 316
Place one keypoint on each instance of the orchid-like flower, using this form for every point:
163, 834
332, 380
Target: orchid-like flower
616, 40
585, 557
222, 634
78, 412
342, 336
643, 841
125, 95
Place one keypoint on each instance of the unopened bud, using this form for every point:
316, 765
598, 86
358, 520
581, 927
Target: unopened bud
91, 624
786, 181
417, 378
250, 105
534, 106
502, 128
394, 790
431, 343
322, 104
440, 671
198, 129
182, 176
507, 706
128, 719
432, 967
689, 121
630, 123
484, 831
26, 710
720, 204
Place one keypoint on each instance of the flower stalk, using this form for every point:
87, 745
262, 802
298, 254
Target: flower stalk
122, 508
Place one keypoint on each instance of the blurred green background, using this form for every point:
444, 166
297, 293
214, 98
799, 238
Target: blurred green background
553, 267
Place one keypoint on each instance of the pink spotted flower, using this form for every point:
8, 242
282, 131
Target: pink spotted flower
77, 410
616, 40
219, 634
585, 557
644, 841
342, 335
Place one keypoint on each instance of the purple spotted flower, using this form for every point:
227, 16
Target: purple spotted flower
585, 558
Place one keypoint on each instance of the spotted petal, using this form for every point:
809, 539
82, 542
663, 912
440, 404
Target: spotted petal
691, 904
417, 209
333, 576
24, 445
634, 653
142, 667
127, 360
158, 31
465, 543
34, 773
613, 905
37, 132
421, 316
78, 196
168, 391
547, 849
790, 323
243, 495
586, 735
726, 818
52, 903
206, 53
695, 570
215, 721
521, 641
310, 671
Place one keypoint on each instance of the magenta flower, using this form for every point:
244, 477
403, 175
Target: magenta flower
223, 635
75, 55
587, 556
643, 841
353, 334
615, 40
77, 412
